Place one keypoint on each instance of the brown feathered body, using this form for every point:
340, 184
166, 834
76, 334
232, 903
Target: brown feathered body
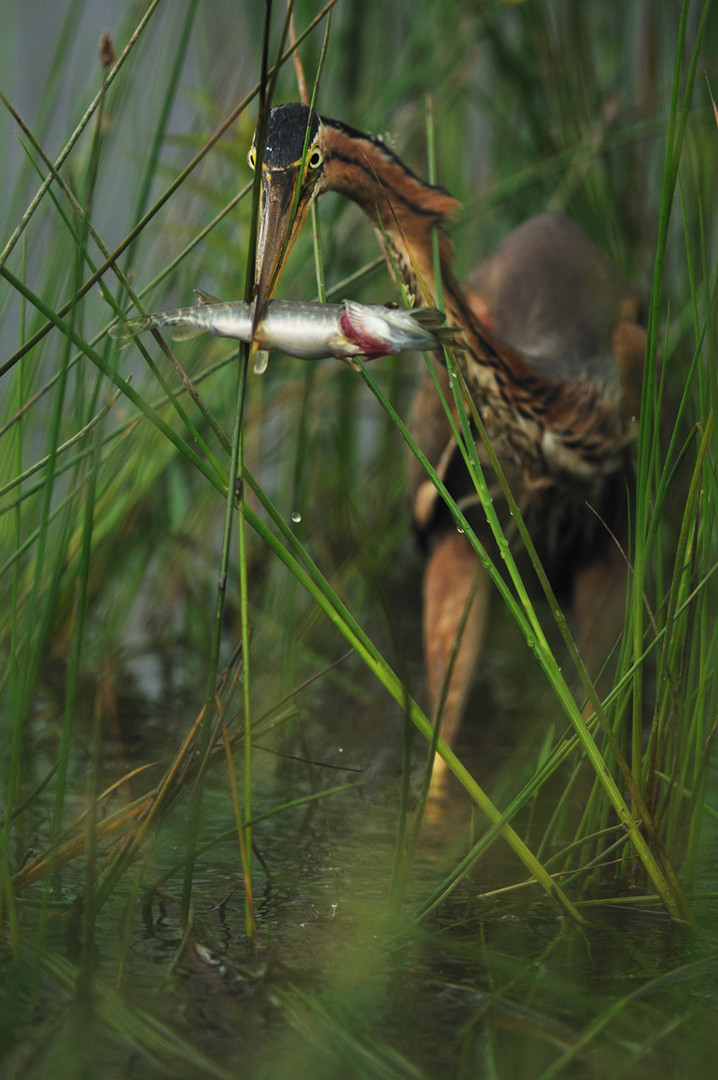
551, 352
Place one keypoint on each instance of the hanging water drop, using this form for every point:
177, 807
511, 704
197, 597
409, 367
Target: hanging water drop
261, 359
296, 517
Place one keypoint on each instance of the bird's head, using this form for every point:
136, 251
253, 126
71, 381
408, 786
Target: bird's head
292, 173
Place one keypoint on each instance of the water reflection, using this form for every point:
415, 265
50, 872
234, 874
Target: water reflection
345, 982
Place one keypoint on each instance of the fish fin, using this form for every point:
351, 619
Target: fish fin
185, 331
205, 297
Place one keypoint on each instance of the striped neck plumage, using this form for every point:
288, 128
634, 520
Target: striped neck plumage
402, 207
550, 428
405, 212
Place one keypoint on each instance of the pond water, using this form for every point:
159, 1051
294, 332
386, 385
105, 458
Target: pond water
339, 988
342, 982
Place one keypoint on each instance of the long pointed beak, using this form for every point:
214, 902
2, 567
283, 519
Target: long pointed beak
277, 231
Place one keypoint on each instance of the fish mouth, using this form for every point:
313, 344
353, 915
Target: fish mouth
283, 212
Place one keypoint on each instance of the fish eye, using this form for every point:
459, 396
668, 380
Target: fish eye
315, 158
252, 158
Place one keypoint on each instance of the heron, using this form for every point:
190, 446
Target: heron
550, 346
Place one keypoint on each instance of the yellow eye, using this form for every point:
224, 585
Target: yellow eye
252, 158
315, 158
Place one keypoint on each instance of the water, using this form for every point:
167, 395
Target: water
508, 989
343, 984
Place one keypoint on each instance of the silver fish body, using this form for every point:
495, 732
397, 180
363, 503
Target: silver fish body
309, 331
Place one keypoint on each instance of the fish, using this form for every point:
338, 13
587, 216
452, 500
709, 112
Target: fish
306, 330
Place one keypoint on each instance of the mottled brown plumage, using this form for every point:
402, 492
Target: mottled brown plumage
551, 353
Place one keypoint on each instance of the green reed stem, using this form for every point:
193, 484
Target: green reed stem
662, 876
302, 567
151, 213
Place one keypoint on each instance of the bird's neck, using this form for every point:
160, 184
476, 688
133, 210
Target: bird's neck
403, 209
408, 215
548, 427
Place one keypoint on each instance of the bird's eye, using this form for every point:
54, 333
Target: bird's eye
252, 158
315, 158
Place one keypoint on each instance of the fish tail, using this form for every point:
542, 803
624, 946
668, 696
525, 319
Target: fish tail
126, 331
183, 323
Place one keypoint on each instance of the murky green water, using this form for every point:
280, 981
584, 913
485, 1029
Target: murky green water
509, 989
340, 985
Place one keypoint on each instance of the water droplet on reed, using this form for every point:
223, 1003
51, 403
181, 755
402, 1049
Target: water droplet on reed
296, 517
